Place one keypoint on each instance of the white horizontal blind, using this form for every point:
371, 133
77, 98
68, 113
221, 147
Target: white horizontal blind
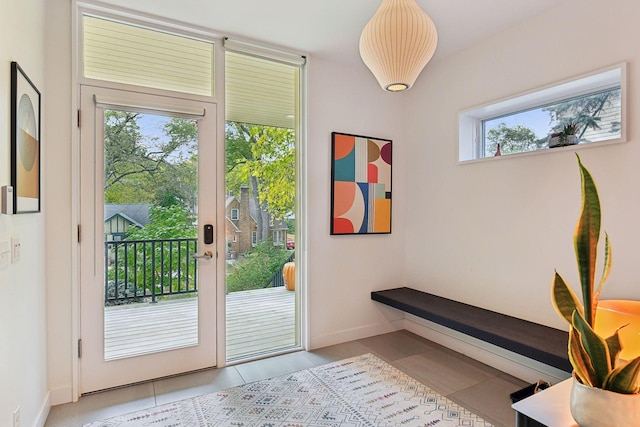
260, 91
123, 53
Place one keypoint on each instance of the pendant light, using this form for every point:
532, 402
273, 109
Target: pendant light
397, 43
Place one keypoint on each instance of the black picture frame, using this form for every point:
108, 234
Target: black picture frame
25, 142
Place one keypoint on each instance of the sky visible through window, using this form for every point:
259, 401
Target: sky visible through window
152, 127
537, 120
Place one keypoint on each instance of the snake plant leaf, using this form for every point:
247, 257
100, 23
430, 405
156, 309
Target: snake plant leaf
586, 237
615, 347
625, 378
605, 271
595, 347
580, 360
564, 299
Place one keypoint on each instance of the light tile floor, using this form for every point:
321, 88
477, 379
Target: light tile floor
478, 387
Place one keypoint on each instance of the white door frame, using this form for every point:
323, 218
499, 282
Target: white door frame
95, 373
79, 7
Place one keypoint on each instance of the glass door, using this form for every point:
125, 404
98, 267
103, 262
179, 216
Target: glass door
148, 245
262, 135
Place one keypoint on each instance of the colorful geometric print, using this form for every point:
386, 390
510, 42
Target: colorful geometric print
362, 391
361, 179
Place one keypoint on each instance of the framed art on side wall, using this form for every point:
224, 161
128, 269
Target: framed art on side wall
360, 184
25, 142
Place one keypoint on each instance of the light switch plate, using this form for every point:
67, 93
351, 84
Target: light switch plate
15, 249
5, 253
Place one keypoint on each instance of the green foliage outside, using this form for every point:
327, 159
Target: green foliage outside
156, 267
166, 222
264, 158
583, 113
160, 168
291, 226
512, 140
257, 268
140, 168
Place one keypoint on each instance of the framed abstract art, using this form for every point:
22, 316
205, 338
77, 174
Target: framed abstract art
25, 142
360, 184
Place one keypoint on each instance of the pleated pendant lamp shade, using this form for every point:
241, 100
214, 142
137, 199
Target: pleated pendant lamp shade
397, 43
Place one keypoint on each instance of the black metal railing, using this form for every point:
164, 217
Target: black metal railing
143, 270
139, 270
277, 279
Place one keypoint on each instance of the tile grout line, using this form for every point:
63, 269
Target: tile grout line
244, 381
155, 395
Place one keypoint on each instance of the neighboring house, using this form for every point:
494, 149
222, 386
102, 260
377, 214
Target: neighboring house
241, 227
278, 232
118, 220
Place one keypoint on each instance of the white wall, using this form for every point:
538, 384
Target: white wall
343, 270
492, 233
23, 343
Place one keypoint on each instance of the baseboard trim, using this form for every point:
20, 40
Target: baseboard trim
43, 413
355, 334
61, 395
528, 370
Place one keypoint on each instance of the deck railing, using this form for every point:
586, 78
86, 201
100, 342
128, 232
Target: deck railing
277, 279
136, 270
139, 270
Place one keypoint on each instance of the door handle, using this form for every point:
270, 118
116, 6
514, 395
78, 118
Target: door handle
206, 255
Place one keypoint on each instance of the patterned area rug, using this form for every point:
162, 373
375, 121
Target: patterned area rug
360, 391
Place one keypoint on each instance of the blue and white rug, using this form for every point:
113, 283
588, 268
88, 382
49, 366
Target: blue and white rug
360, 391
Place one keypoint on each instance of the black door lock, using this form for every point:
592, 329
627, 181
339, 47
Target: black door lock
208, 234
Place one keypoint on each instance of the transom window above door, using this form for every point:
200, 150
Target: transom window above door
125, 53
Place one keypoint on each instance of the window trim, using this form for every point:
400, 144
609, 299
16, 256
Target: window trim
237, 214
128, 17
470, 121
263, 52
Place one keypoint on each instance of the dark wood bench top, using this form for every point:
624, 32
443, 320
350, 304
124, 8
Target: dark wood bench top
535, 341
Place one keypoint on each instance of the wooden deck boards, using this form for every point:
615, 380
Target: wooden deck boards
258, 321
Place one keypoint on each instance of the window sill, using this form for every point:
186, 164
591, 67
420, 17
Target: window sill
545, 151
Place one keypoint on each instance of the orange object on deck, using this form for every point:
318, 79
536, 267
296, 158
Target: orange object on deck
289, 275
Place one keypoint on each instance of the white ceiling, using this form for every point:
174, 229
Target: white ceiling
331, 28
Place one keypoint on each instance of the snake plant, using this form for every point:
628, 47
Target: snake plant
595, 359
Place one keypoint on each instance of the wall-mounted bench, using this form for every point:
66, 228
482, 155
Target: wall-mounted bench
538, 342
